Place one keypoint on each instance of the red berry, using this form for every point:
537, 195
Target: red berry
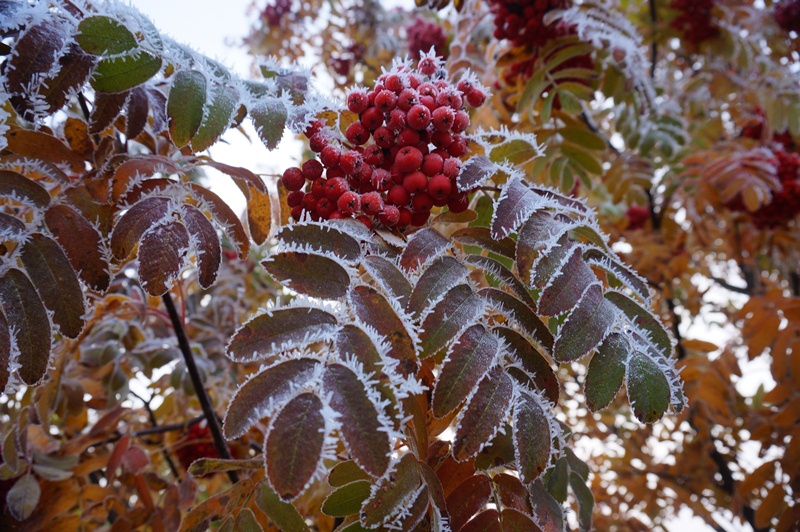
313, 128
419, 117
293, 179
297, 212
330, 155
357, 101
458, 148
312, 169
476, 97
451, 167
350, 161
460, 122
393, 83
443, 118
386, 101
415, 182
419, 218
408, 159
637, 216
421, 202
348, 203
295, 198
335, 215
458, 202
372, 118
317, 142
373, 155
407, 99
384, 137
432, 164
309, 202
408, 137
465, 85
398, 195
397, 120
335, 172
427, 66
441, 139
365, 220
389, 216
381, 179
405, 217
372, 203
325, 207
357, 134
429, 102
318, 188
335, 187
450, 98
422, 36
439, 187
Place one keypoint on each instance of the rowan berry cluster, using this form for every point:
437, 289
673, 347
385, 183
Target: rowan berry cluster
694, 21
199, 444
424, 34
398, 160
785, 203
274, 13
522, 21
637, 216
787, 15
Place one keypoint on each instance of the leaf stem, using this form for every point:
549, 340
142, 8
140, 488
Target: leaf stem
194, 374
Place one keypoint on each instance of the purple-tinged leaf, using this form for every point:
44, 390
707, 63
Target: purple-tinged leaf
373, 309
585, 327
484, 414
136, 112
583, 494
512, 520
308, 273
521, 315
22, 189
502, 274
482, 237
345, 473
643, 320
11, 224
621, 272
187, 98
56, 281
423, 246
347, 499
161, 256
486, 521
443, 274
107, 108
122, 73
101, 35
547, 511
74, 68
261, 395
537, 368
606, 372
26, 315
225, 217
564, 291
320, 238
81, 243
206, 241
532, 439
517, 202
269, 118
284, 515
218, 117
574, 205
415, 509
453, 313
293, 447
512, 492
5, 354
352, 340
538, 232
34, 54
389, 277
158, 108
648, 388
475, 171
551, 261
270, 333
361, 427
469, 498
500, 451
23, 497
391, 493
130, 228
435, 488
467, 362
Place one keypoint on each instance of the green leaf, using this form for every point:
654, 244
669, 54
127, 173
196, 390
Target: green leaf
283, 514
187, 98
443, 274
246, 521
606, 372
219, 115
516, 152
391, 493
269, 118
425, 245
581, 136
585, 501
483, 415
161, 256
584, 159
585, 327
648, 388
101, 35
121, 73
454, 312
532, 438
558, 480
293, 445
345, 473
308, 273
468, 499
23, 497
642, 319
347, 499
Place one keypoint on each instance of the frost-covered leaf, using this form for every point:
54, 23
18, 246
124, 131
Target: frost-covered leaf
585, 327
389, 277
272, 332
56, 281
244, 178
130, 228
475, 171
5, 356
161, 256
219, 114
505, 276
23, 189
320, 238
606, 372
482, 237
347, 499
443, 274
516, 203
107, 108
540, 231
391, 492
486, 521
74, 68
467, 499
500, 451
583, 494
121, 73
345, 473
35, 51
100, 35
564, 291
425, 245
353, 340
26, 315
41, 145
136, 112
532, 437
206, 241
187, 98
537, 368
512, 492
486, 409
225, 217
643, 320
362, 429
648, 388
629, 278
547, 511
512, 520
269, 118
467, 362
23, 497
281, 513
81, 243
551, 261
453, 313
309, 273
293, 446
263, 393
521, 315
516, 151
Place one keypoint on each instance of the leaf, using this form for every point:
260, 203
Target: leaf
467, 499
486, 521
366, 437
5, 358
283, 514
516, 203
532, 438
23, 497
551, 261
539, 232
259, 215
246, 521
56, 281
643, 320
512, 520
293, 445
481, 236
565, 290
606, 372
466, 363
219, 114
107, 108
161, 256
206, 466
345, 473
516, 152
547, 511
125, 72
101, 35
206, 242
23, 189
453, 313
391, 492
279, 330
132, 226
347, 499
442, 275
537, 368
187, 98
74, 68
242, 176
215, 507
475, 171
308, 273
500, 451
513, 494
81, 243
499, 271
771, 506
424, 245
483, 415
225, 217
648, 388
585, 500
389, 277
27, 316
33, 56
351, 340
269, 118
595, 257
585, 327
521, 315
136, 112
265, 392
322, 239
40, 145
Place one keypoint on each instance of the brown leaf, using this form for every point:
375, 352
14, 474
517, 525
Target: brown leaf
107, 107
209, 252
161, 256
81, 243
40, 145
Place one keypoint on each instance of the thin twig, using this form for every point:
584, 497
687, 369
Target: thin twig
197, 382
733, 288
154, 423
654, 44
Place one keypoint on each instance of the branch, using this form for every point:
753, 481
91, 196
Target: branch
654, 44
197, 382
154, 423
725, 284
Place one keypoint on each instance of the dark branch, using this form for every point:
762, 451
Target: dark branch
154, 424
725, 284
654, 44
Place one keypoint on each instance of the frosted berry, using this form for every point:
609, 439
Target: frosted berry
421, 202
451, 168
407, 99
330, 156
372, 203
418, 117
348, 203
460, 122
350, 161
408, 159
476, 97
373, 155
295, 198
389, 216
312, 169
357, 134
381, 179
317, 142
372, 118
422, 36
458, 202
432, 164
357, 101
318, 188
386, 101
427, 65
293, 179
335, 187
408, 137
439, 187
325, 207
442, 118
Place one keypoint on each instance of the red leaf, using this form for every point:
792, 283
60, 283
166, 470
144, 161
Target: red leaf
522, 315
485, 412
107, 107
532, 438
389, 277
443, 274
482, 237
352, 340
321, 239
225, 217
161, 256
548, 511
23, 189
136, 112
135, 169
467, 499
515, 521
537, 368
512, 492
424, 245
308, 273
391, 493
565, 290
506, 277
585, 327
475, 171
209, 253
517, 202
456, 311
135, 223
486, 521
81, 243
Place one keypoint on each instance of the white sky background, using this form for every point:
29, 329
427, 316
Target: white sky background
216, 28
